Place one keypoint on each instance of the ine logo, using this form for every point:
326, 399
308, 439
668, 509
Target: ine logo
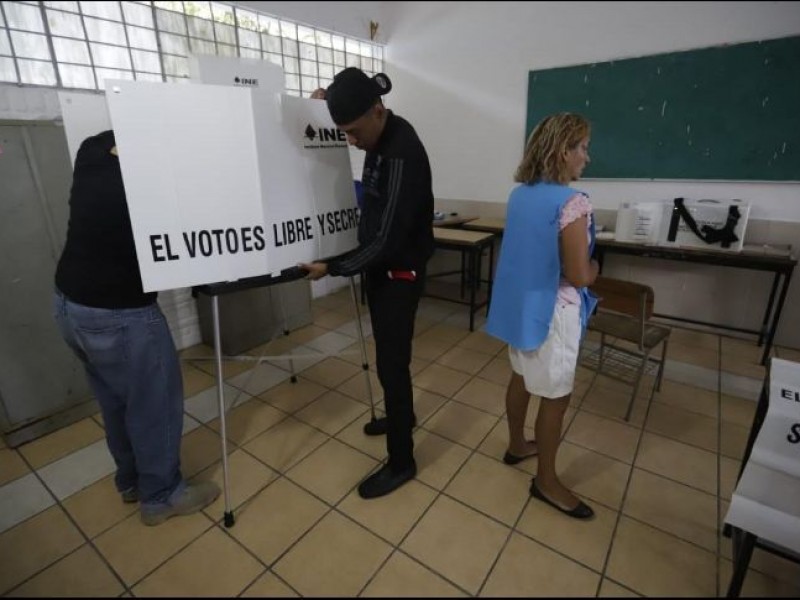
245, 81
324, 137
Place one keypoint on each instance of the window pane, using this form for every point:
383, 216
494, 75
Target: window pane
222, 13
249, 53
289, 47
306, 34
136, 14
288, 30
30, 45
148, 77
325, 55
268, 25
23, 16
310, 83
173, 6
308, 67
292, 82
5, 44
104, 31
338, 42
202, 46
324, 39
70, 6
107, 10
226, 50
271, 43
290, 65
198, 9
110, 56
7, 70
366, 50
338, 58
249, 39
71, 51
308, 52
323, 82
146, 61
171, 22
376, 65
352, 46
176, 65
276, 59
177, 79
174, 44
246, 20
65, 24
76, 77
201, 28
353, 60
36, 72
325, 71
225, 33
142, 38
103, 74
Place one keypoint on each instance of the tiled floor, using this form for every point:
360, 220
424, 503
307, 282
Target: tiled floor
466, 526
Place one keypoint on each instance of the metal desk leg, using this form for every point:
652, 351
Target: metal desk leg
474, 257
787, 278
223, 429
768, 311
743, 544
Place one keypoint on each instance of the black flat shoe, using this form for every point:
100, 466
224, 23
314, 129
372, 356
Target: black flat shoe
582, 511
512, 459
378, 426
385, 481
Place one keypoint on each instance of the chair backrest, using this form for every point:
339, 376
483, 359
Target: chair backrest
626, 298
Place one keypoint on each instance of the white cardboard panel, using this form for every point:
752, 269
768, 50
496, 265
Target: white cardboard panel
244, 72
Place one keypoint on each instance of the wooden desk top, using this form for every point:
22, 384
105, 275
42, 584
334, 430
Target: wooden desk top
493, 225
452, 221
460, 237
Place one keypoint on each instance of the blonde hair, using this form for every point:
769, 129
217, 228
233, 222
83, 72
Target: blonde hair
544, 152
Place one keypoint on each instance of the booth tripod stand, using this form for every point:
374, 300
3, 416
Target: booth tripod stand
217, 289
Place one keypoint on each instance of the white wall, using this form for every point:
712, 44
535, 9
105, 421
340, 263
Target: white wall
460, 74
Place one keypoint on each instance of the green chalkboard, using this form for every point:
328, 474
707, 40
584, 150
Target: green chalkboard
726, 113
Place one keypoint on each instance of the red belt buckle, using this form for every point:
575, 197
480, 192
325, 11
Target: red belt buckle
405, 275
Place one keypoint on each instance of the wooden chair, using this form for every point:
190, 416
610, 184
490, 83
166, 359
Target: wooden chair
623, 314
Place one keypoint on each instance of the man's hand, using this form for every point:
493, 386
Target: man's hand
318, 94
316, 270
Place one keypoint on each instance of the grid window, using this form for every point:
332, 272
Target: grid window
80, 44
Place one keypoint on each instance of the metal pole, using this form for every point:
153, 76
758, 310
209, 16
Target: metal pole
364, 364
286, 332
228, 516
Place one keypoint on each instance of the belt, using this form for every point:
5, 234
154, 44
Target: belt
404, 275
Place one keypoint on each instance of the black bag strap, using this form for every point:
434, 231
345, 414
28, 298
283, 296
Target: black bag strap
724, 235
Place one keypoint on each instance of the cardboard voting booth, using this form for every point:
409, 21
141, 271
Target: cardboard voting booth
708, 224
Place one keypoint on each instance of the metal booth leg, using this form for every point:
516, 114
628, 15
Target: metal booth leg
228, 515
364, 364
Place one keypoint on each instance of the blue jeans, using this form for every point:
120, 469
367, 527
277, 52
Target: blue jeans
134, 371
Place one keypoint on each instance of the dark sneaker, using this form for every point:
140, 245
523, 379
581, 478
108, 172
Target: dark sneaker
378, 426
385, 481
130, 495
193, 498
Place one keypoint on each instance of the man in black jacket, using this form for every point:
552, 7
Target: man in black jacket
395, 241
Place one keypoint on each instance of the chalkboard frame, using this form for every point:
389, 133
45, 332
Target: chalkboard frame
725, 113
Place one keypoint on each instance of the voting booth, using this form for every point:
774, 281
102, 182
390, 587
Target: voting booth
706, 224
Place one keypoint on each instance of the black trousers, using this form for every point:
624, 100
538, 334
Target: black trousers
393, 308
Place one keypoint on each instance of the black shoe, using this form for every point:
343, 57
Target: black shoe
582, 511
512, 459
378, 426
385, 481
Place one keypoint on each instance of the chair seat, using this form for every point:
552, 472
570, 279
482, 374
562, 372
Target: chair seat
628, 329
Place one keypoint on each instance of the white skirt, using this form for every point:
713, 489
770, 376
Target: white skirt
549, 371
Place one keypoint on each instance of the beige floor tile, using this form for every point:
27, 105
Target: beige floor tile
693, 337
356, 388
98, 507
331, 372
61, 442
290, 397
352, 354
122, 545
774, 566
441, 380
654, 563
269, 586
447, 333
747, 349
437, 458
739, 411
230, 368
403, 577
351, 554
464, 359
733, 440
456, 542
11, 466
673, 507
497, 371
461, 423
756, 584
613, 404
353, 435
195, 380
592, 475
331, 412
702, 357
306, 334
495, 445
610, 589
484, 395
279, 346
429, 348
526, 568
392, 516
609, 437
248, 420
285, 444
332, 319
426, 404
34, 545
480, 341
688, 397
742, 357
676, 460
792, 354
246, 477
199, 449
80, 574
275, 518
491, 487
728, 475
332, 470
213, 565
586, 542
683, 426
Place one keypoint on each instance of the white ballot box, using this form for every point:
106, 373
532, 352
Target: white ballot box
766, 501
713, 224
